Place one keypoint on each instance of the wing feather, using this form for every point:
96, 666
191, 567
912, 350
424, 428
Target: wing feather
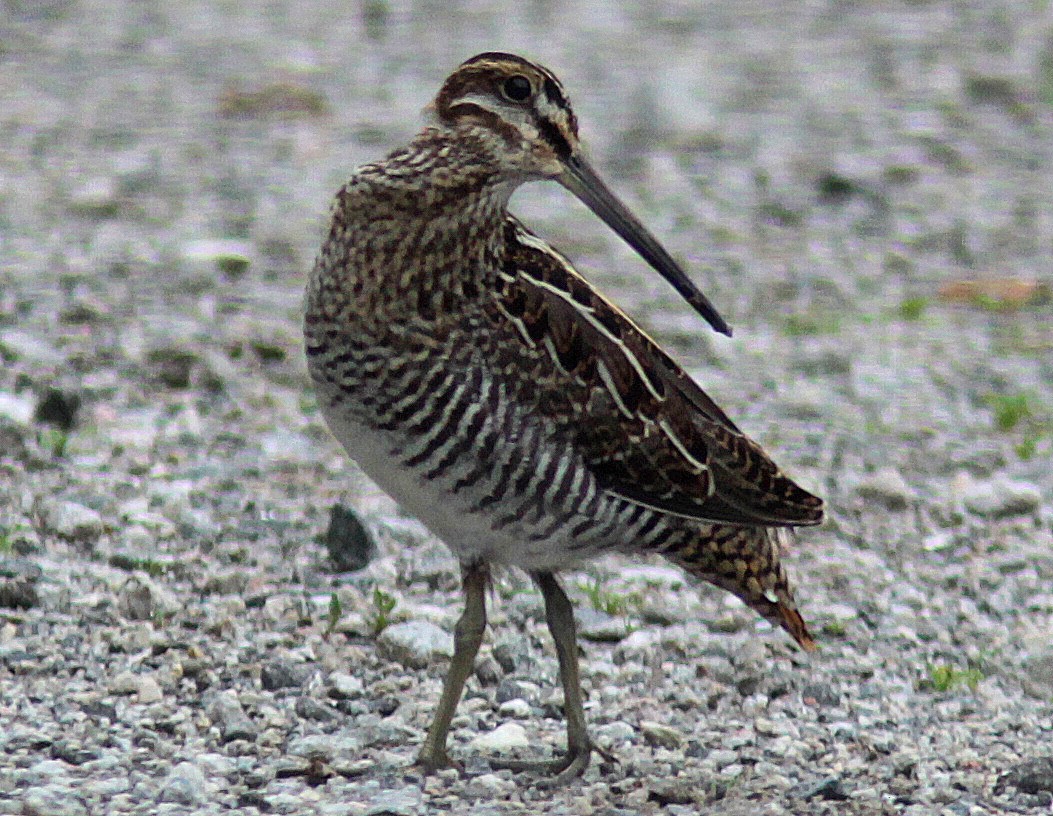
648, 432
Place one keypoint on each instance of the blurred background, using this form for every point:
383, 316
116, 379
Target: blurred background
862, 188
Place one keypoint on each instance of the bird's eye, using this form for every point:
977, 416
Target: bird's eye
516, 88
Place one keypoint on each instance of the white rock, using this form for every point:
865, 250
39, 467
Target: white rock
18, 408
518, 708
97, 194
415, 644
149, 690
345, 686
489, 786
71, 520
125, 682
505, 737
205, 250
887, 487
185, 785
1001, 497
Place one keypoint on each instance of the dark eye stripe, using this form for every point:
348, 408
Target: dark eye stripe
554, 136
552, 93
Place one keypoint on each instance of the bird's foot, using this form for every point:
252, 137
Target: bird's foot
562, 769
431, 760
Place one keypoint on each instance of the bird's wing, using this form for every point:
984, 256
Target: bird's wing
648, 432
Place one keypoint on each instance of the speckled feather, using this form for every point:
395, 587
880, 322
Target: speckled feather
479, 379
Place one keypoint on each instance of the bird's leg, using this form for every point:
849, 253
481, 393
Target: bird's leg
467, 636
560, 615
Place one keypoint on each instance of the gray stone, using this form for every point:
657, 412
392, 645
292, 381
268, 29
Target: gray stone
312, 709
822, 694
616, 732
415, 644
1031, 776
185, 785
600, 627
513, 653
404, 802
506, 737
143, 598
71, 520
510, 689
233, 722
489, 787
278, 674
661, 735
52, 800
343, 746
343, 686
722, 757
1038, 671
149, 690
212, 252
676, 791
96, 196
126, 682
1001, 498
886, 487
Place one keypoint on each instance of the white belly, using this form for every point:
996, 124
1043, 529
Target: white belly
470, 535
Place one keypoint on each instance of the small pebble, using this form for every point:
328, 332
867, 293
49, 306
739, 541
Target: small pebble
661, 735
72, 521
185, 785
415, 644
506, 737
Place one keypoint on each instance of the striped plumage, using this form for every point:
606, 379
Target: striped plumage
492, 391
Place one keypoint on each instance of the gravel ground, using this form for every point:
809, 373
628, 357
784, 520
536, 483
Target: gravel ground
862, 188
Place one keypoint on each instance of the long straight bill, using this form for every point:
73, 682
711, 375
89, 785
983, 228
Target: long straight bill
582, 180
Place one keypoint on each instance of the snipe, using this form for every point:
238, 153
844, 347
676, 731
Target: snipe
496, 395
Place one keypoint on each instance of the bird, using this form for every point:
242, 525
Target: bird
482, 382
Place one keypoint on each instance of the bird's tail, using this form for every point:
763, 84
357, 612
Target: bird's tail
745, 561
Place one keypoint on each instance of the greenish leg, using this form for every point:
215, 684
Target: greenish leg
468, 634
560, 615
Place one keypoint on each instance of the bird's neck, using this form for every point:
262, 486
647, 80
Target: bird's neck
415, 230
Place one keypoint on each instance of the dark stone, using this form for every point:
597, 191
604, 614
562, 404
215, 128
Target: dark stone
829, 789
254, 799
172, 366
311, 709
1030, 776
18, 594
384, 706
23, 568
515, 690
488, 672
233, 722
100, 710
512, 653
279, 674
73, 752
349, 543
823, 694
672, 792
58, 408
